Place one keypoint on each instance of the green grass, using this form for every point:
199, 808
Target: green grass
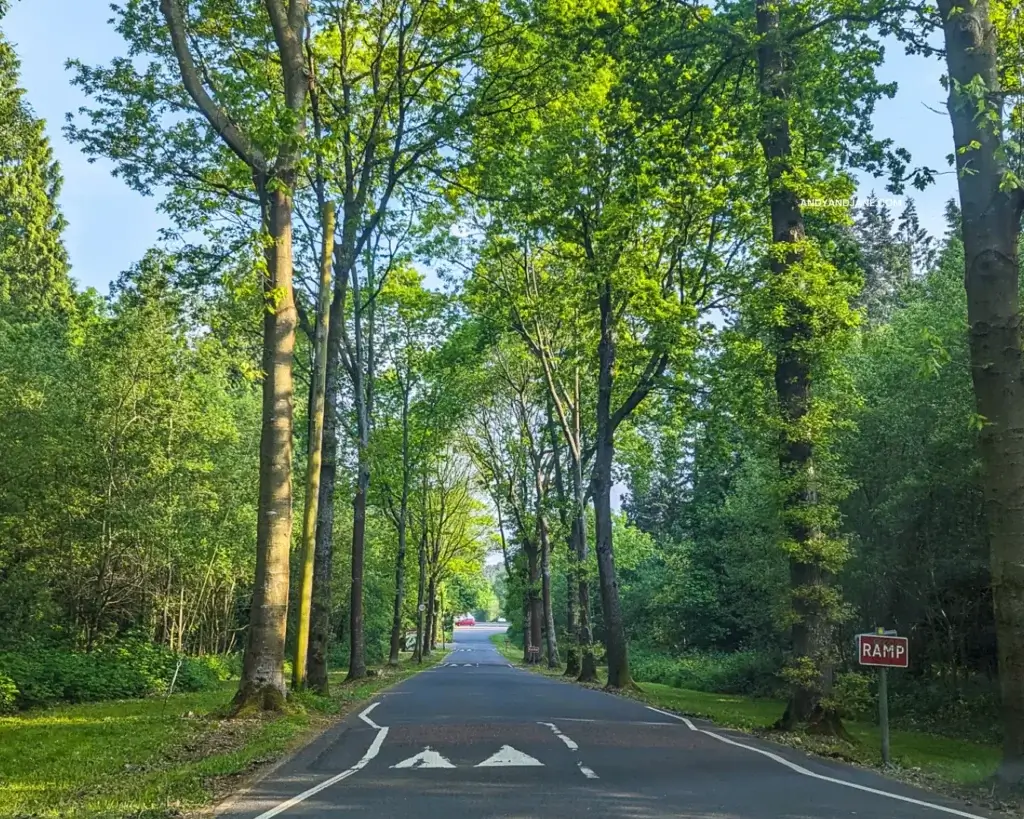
939, 760
132, 758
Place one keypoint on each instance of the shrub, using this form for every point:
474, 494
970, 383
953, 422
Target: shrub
8, 694
851, 695
41, 676
742, 672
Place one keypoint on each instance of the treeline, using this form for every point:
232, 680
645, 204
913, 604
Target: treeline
816, 428
130, 440
911, 503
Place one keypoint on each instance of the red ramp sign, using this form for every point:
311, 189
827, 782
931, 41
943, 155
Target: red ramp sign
883, 650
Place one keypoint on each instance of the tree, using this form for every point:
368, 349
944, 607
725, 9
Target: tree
412, 327
391, 105
129, 477
314, 461
604, 264
33, 262
983, 51
258, 117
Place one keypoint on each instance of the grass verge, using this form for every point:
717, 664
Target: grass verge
959, 767
138, 759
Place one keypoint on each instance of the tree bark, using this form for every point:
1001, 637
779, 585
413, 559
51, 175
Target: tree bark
320, 627
527, 623
601, 483
421, 597
314, 458
401, 523
991, 216
550, 638
396, 618
428, 634
262, 684
534, 597
572, 656
588, 662
357, 653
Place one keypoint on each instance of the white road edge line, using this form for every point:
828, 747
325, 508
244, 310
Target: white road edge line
689, 724
364, 715
371, 752
804, 772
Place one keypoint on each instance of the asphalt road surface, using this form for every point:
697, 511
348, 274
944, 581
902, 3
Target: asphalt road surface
475, 738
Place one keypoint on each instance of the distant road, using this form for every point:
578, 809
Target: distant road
475, 737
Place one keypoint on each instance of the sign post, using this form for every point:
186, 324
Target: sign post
883, 650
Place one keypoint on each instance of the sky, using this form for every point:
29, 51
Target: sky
110, 226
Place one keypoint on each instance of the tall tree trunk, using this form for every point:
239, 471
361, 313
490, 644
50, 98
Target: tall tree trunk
550, 639
991, 216
428, 633
437, 623
534, 596
809, 580
362, 373
421, 592
314, 458
403, 513
396, 618
601, 485
572, 657
320, 626
585, 638
588, 662
527, 623
357, 654
262, 684
572, 654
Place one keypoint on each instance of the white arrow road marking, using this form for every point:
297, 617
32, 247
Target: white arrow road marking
508, 757
427, 758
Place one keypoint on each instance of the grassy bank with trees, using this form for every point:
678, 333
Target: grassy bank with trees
158, 756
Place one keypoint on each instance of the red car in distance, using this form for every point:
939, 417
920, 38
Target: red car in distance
465, 621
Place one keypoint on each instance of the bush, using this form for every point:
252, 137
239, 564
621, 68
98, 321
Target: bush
852, 696
42, 676
8, 694
751, 673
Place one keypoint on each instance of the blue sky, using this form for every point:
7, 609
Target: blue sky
111, 226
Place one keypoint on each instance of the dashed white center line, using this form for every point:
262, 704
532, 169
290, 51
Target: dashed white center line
589, 774
572, 746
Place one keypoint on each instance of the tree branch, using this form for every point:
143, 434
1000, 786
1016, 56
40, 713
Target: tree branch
236, 140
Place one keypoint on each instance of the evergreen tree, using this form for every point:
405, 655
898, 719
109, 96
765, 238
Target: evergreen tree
33, 262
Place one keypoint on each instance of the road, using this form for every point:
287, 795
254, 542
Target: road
475, 738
